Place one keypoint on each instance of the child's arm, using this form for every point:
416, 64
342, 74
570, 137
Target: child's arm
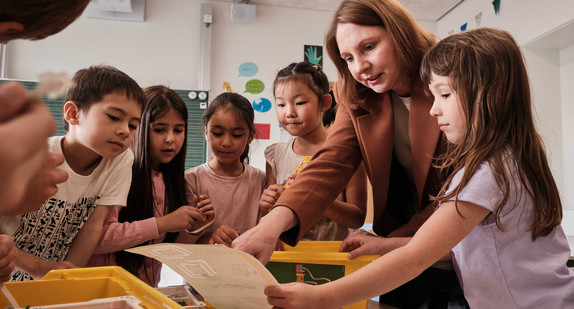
117, 236
271, 194
88, 237
361, 242
8, 253
37, 267
352, 211
442, 231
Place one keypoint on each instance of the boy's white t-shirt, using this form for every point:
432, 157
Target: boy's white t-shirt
48, 232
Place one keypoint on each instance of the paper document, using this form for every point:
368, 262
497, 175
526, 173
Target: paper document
225, 277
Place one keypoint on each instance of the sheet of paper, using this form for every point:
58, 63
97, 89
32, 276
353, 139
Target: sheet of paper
226, 277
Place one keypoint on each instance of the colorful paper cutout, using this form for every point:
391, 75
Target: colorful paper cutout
261, 105
263, 130
248, 69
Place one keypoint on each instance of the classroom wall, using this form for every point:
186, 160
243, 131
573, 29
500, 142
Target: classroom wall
550, 69
165, 49
273, 40
162, 50
567, 109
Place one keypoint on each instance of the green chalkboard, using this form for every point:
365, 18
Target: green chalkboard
196, 144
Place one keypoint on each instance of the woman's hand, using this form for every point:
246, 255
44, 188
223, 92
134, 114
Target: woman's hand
261, 240
296, 295
223, 235
269, 197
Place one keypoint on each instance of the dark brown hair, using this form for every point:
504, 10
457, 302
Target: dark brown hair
486, 70
90, 85
41, 18
240, 107
410, 40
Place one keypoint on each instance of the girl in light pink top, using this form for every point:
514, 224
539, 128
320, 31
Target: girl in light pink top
233, 186
156, 208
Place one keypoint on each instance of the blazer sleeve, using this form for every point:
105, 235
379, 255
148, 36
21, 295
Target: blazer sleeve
324, 177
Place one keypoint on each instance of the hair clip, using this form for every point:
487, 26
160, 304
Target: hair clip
316, 67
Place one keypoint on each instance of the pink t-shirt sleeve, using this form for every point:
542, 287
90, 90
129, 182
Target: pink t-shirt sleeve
117, 236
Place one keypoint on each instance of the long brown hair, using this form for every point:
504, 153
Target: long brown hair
410, 40
486, 69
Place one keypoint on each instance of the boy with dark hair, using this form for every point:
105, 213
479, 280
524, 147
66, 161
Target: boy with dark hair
102, 111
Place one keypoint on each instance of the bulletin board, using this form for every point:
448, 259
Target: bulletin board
196, 144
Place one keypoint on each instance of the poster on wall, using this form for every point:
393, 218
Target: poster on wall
314, 54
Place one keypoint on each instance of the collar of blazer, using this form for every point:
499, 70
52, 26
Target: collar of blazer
424, 132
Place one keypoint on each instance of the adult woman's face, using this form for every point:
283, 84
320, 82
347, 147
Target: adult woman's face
371, 58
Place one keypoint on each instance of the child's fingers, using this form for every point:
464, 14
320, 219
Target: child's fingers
227, 234
222, 239
203, 203
195, 215
194, 200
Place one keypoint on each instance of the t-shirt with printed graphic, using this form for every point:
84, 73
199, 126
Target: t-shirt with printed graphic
48, 232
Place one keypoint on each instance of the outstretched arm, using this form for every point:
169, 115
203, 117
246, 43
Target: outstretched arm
435, 238
261, 240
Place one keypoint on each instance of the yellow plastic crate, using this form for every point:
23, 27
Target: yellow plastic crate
316, 262
84, 284
314, 246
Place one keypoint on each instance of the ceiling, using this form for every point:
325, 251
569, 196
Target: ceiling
420, 9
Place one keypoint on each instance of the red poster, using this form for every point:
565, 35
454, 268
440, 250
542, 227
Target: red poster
263, 130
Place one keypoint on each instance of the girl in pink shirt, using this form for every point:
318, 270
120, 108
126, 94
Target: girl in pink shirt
233, 186
154, 211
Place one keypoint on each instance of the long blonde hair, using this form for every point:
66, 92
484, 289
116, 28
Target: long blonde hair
410, 40
487, 71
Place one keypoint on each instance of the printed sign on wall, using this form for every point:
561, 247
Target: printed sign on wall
314, 54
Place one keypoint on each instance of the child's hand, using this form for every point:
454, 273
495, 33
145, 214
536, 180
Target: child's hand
203, 204
8, 255
361, 242
206, 208
45, 266
296, 295
43, 185
223, 235
269, 197
181, 219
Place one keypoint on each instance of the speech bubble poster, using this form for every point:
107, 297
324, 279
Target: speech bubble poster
248, 69
261, 105
254, 86
314, 54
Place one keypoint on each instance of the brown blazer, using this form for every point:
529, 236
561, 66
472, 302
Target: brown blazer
365, 135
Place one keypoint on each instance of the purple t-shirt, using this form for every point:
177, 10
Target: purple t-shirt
507, 269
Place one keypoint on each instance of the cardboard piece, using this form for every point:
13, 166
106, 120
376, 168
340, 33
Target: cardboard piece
225, 277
